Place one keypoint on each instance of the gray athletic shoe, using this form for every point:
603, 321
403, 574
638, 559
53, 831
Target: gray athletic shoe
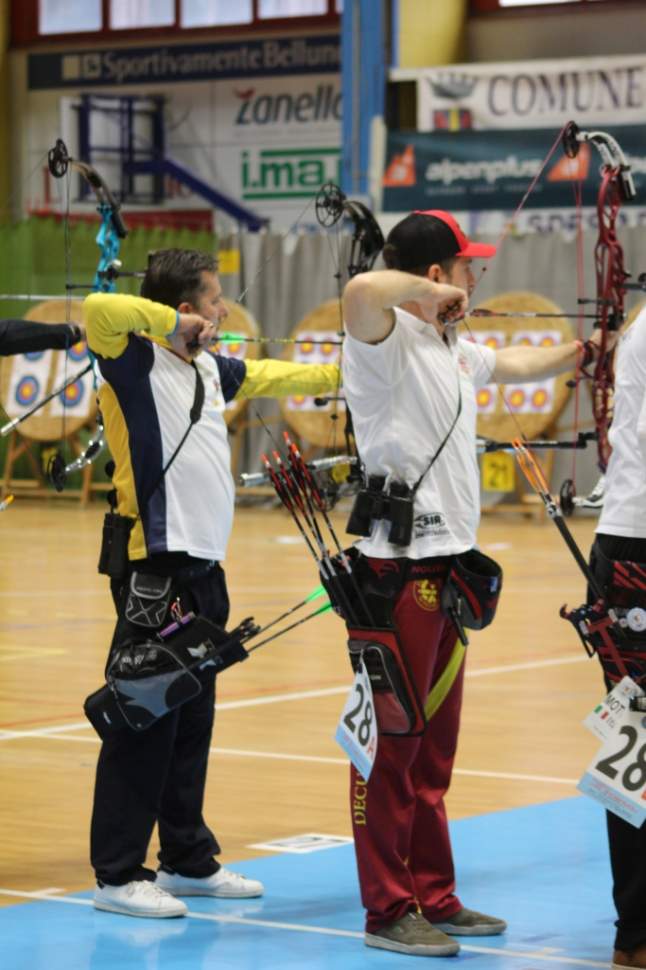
413, 934
466, 922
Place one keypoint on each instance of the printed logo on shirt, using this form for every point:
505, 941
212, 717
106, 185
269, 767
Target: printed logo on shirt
430, 524
464, 365
426, 594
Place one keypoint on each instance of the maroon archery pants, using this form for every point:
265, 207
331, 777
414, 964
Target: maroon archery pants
400, 826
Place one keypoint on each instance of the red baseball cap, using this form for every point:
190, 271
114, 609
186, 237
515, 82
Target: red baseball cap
467, 247
424, 238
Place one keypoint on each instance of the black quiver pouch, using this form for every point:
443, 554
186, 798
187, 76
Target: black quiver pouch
149, 678
148, 599
472, 589
614, 627
113, 557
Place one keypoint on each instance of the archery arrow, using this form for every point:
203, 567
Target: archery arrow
590, 621
292, 626
315, 594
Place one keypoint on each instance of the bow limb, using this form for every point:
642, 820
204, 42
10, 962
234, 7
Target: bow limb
331, 206
616, 187
112, 231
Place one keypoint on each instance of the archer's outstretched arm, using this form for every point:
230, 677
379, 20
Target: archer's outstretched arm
27, 336
280, 378
523, 363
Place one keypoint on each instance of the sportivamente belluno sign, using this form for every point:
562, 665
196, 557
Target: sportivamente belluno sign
185, 62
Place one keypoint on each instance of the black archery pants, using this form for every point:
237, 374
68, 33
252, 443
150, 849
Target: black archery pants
627, 844
159, 775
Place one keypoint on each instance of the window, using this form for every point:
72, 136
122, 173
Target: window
290, 8
69, 16
128, 14
34, 21
211, 13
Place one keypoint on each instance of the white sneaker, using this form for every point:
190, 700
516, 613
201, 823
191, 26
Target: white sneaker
139, 898
223, 884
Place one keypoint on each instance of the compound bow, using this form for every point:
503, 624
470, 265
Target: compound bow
112, 231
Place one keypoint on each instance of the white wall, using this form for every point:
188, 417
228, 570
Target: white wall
609, 28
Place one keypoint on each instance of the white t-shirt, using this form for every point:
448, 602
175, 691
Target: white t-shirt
624, 503
146, 399
403, 396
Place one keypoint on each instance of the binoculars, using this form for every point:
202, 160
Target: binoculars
394, 506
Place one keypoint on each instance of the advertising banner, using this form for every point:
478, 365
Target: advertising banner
268, 142
473, 171
276, 141
185, 62
593, 91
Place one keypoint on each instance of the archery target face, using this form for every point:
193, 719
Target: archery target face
531, 407
486, 396
537, 397
318, 347
319, 342
77, 399
26, 379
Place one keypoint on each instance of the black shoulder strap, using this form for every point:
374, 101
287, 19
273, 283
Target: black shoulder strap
194, 414
446, 438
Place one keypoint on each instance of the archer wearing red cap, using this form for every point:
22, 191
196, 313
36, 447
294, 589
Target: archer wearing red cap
410, 383
432, 242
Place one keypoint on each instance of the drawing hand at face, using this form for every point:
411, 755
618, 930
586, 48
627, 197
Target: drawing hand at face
193, 334
443, 302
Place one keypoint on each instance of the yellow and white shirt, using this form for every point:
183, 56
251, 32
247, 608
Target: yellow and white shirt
146, 397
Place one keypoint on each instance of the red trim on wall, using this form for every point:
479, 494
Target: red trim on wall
198, 220
24, 27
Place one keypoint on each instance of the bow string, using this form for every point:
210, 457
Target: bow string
332, 207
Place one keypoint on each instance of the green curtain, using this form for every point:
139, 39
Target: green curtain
39, 255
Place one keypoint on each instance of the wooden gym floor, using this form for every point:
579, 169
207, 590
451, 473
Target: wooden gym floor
275, 768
